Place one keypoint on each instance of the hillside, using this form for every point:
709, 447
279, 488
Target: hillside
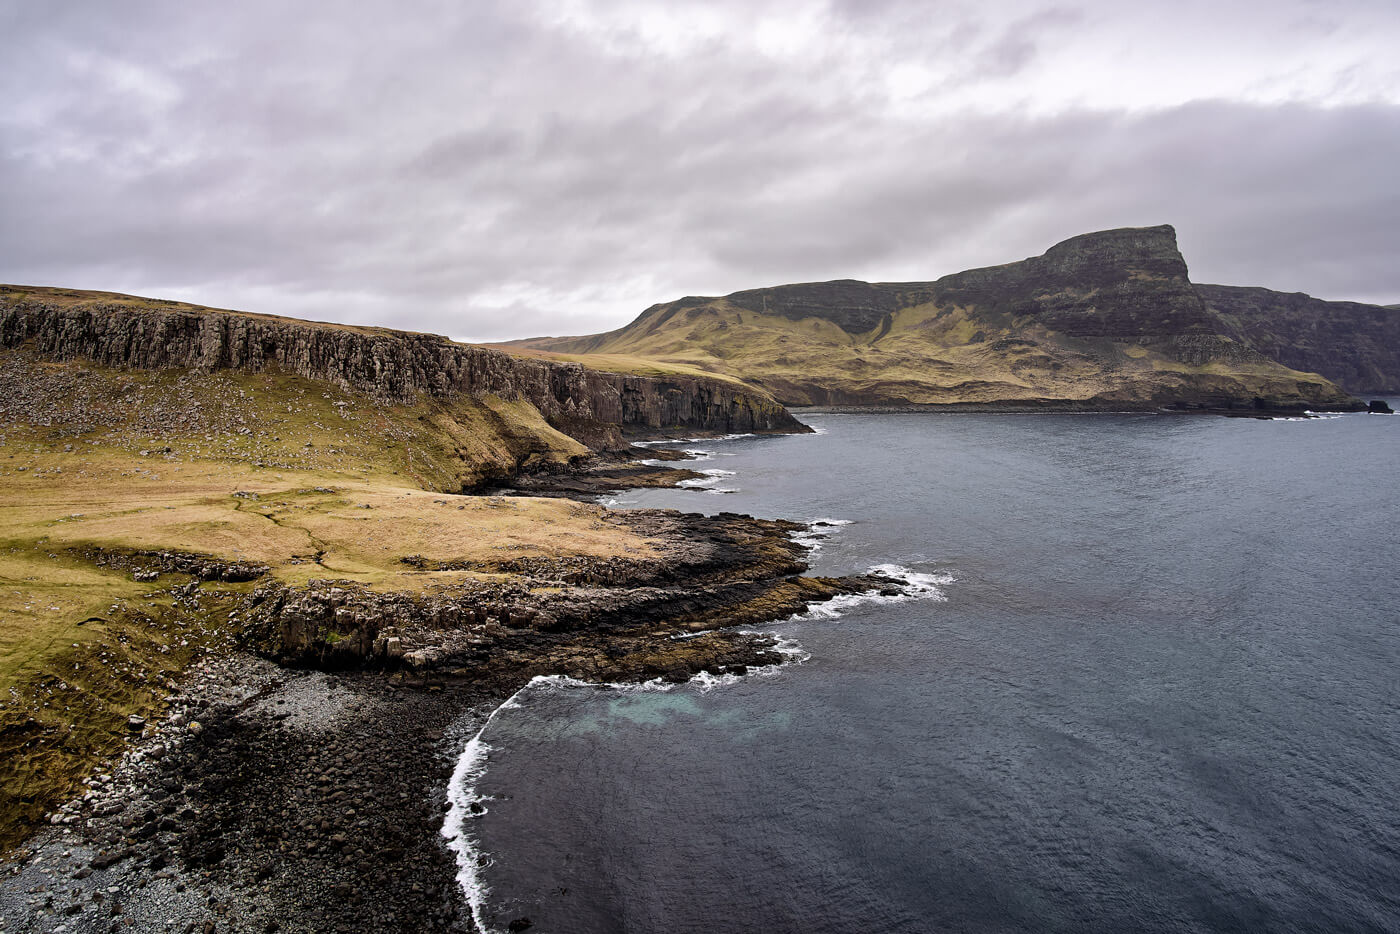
1107, 320
1357, 346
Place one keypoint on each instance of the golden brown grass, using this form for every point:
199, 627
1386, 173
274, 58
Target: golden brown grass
932, 354
303, 523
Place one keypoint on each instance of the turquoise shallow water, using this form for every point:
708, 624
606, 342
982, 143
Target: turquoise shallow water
1159, 693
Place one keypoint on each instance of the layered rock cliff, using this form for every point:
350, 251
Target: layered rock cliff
398, 366
1126, 284
1107, 320
1356, 346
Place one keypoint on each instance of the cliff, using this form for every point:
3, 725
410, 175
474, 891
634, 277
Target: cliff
397, 366
1126, 284
1107, 320
1356, 346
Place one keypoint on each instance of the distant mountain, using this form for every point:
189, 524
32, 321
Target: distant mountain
1106, 320
1356, 346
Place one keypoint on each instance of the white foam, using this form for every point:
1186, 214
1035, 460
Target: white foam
654, 443
461, 795
912, 585
818, 529
471, 765
708, 483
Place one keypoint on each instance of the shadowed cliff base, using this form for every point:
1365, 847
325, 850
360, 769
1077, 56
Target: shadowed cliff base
1103, 321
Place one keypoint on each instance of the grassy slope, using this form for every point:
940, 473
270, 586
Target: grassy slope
331, 484
932, 355
621, 363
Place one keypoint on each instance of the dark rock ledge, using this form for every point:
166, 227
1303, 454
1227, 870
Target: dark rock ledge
297, 779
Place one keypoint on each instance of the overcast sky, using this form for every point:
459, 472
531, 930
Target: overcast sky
495, 170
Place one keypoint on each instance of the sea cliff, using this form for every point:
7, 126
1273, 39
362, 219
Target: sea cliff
398, 366
1355, 345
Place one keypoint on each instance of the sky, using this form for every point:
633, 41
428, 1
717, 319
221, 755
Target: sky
495, 170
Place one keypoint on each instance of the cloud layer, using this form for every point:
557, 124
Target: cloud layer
497, 170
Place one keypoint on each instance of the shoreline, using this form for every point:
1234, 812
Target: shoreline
297, 790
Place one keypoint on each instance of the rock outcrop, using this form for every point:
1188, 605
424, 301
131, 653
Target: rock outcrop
1356, 346
397, 366
1126, 284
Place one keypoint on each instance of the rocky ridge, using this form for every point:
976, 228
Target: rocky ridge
398, 366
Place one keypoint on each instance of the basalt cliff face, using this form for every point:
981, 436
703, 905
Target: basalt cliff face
397, 366
1108, 320
1357, 346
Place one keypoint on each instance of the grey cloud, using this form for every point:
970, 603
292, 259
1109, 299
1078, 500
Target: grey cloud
475, 171
1019, 44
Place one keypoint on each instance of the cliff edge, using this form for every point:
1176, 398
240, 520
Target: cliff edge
397, 366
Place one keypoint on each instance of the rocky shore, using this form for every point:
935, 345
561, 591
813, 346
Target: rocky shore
296, 781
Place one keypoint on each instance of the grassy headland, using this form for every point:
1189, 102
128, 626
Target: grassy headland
116, 485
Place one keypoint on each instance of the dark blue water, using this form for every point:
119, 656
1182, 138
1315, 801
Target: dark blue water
1160, 695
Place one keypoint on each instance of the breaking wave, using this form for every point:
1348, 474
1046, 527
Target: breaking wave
818, 529
709, 483
911, 585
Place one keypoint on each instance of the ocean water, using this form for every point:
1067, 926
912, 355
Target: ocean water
1150, 681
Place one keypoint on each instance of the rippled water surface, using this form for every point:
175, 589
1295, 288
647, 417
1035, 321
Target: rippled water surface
1159, 694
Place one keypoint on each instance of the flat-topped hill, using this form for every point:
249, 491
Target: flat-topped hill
1107, 320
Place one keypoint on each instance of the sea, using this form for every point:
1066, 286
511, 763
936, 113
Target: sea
1145, 676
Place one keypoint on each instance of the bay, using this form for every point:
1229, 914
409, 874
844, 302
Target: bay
1155, 690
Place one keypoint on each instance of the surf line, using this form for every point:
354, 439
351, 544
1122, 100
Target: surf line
464, 804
